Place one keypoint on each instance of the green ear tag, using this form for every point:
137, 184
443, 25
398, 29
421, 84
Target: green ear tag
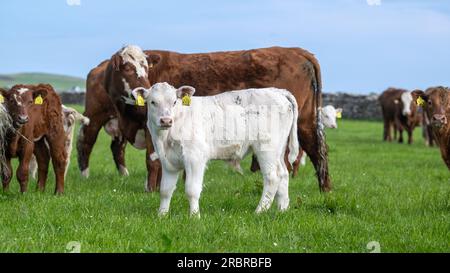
2, 99
186, 100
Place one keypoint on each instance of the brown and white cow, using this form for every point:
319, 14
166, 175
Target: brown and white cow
293, 69
399, 113
36, 117
435, 102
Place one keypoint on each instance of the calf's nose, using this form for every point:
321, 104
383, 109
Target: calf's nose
166, 121
439, 118
23, 119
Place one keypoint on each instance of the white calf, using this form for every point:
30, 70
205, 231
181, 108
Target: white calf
329, 115
189, 131
70, 116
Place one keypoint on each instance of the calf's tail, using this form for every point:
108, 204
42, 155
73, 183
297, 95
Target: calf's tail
293, 137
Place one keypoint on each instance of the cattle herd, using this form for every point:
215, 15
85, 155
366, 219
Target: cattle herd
265, 102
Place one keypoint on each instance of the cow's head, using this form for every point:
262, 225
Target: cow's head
329, 115
435, 103
19, 99
161, 100
408, 108
129, 68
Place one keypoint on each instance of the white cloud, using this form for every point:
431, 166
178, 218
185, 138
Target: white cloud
373, 2
73, 2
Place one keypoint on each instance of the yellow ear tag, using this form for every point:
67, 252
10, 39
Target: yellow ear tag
2, 99
140, 101
38, 100
186, 100
420, 101
339, 115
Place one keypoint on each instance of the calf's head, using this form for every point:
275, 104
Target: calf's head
435, 104
329, 114
19, 99
162, 98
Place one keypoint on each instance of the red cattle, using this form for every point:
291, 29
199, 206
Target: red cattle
37, 127
435, 102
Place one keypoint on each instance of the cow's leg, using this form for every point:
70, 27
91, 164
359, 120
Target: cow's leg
282, 194
59, 159
24, 166
43, 159
410, 135
268, 162
118, 145
153, 166
386, 131
313, 142
195, 170
395, 132
168, 185
86, 140
400, 135
7, 174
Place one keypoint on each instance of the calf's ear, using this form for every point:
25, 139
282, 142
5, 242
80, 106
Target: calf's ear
185, 91
153, 59
40, 91
419, 97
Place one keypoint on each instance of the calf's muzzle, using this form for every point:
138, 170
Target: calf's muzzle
166, 122
439, 120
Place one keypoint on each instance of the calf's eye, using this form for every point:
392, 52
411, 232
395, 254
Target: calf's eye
153, 103
175, 102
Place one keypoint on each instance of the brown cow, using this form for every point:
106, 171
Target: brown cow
435, 102
35, 112
398, 112
293, 69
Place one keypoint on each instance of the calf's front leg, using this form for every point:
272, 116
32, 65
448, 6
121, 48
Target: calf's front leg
168, 185
194, 183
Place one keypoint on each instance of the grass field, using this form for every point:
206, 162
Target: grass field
59, 82
396, 195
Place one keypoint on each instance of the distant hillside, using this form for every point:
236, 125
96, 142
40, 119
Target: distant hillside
59, 82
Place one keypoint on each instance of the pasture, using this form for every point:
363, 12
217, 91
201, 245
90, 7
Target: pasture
396, 195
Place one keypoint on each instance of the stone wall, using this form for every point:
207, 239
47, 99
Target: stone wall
355, 106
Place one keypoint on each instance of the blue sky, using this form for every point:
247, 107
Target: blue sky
362, 48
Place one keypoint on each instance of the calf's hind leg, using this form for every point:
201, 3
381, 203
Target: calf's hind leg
282, 195
271, 177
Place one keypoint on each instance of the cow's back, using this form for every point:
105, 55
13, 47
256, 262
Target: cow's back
212, 73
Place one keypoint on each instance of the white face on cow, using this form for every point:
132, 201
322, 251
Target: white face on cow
161, 99
136, 57
329, 115
407, 99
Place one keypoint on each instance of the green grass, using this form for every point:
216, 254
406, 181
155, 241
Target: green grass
397, 195
59, 82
